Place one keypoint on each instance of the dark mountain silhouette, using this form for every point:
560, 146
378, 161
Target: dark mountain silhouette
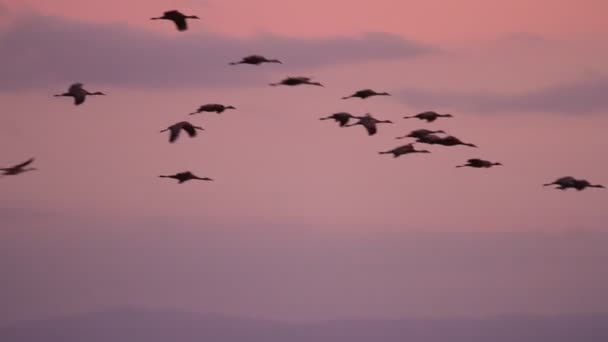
164, 326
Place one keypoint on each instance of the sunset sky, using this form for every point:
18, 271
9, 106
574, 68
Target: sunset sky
305, 220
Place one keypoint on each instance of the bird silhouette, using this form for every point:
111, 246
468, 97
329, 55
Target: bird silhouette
369, 122
429, 116
430, 139
178, 18
185, 176
568, 182
342, 118
479, 163
419, 133
17, 169
79, 94
450, 140
212, 107
453, 141
175, 129
255, 60
365, 93
294, 81
404, 149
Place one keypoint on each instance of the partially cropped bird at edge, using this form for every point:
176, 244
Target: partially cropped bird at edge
17, 169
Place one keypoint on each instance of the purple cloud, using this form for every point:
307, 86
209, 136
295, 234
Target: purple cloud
587, 95
40, 51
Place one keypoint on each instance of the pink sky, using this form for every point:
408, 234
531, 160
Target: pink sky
276, 165
435, 20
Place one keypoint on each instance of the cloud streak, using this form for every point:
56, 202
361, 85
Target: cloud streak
39, 51
582, 96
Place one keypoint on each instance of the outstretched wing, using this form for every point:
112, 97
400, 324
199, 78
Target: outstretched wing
178, 18
24, 164
79, 98
343, 120
75, 88
180, 22
174, 134
370, 127
567, 180
190, 130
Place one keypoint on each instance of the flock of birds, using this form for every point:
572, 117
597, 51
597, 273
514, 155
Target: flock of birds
370, 123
